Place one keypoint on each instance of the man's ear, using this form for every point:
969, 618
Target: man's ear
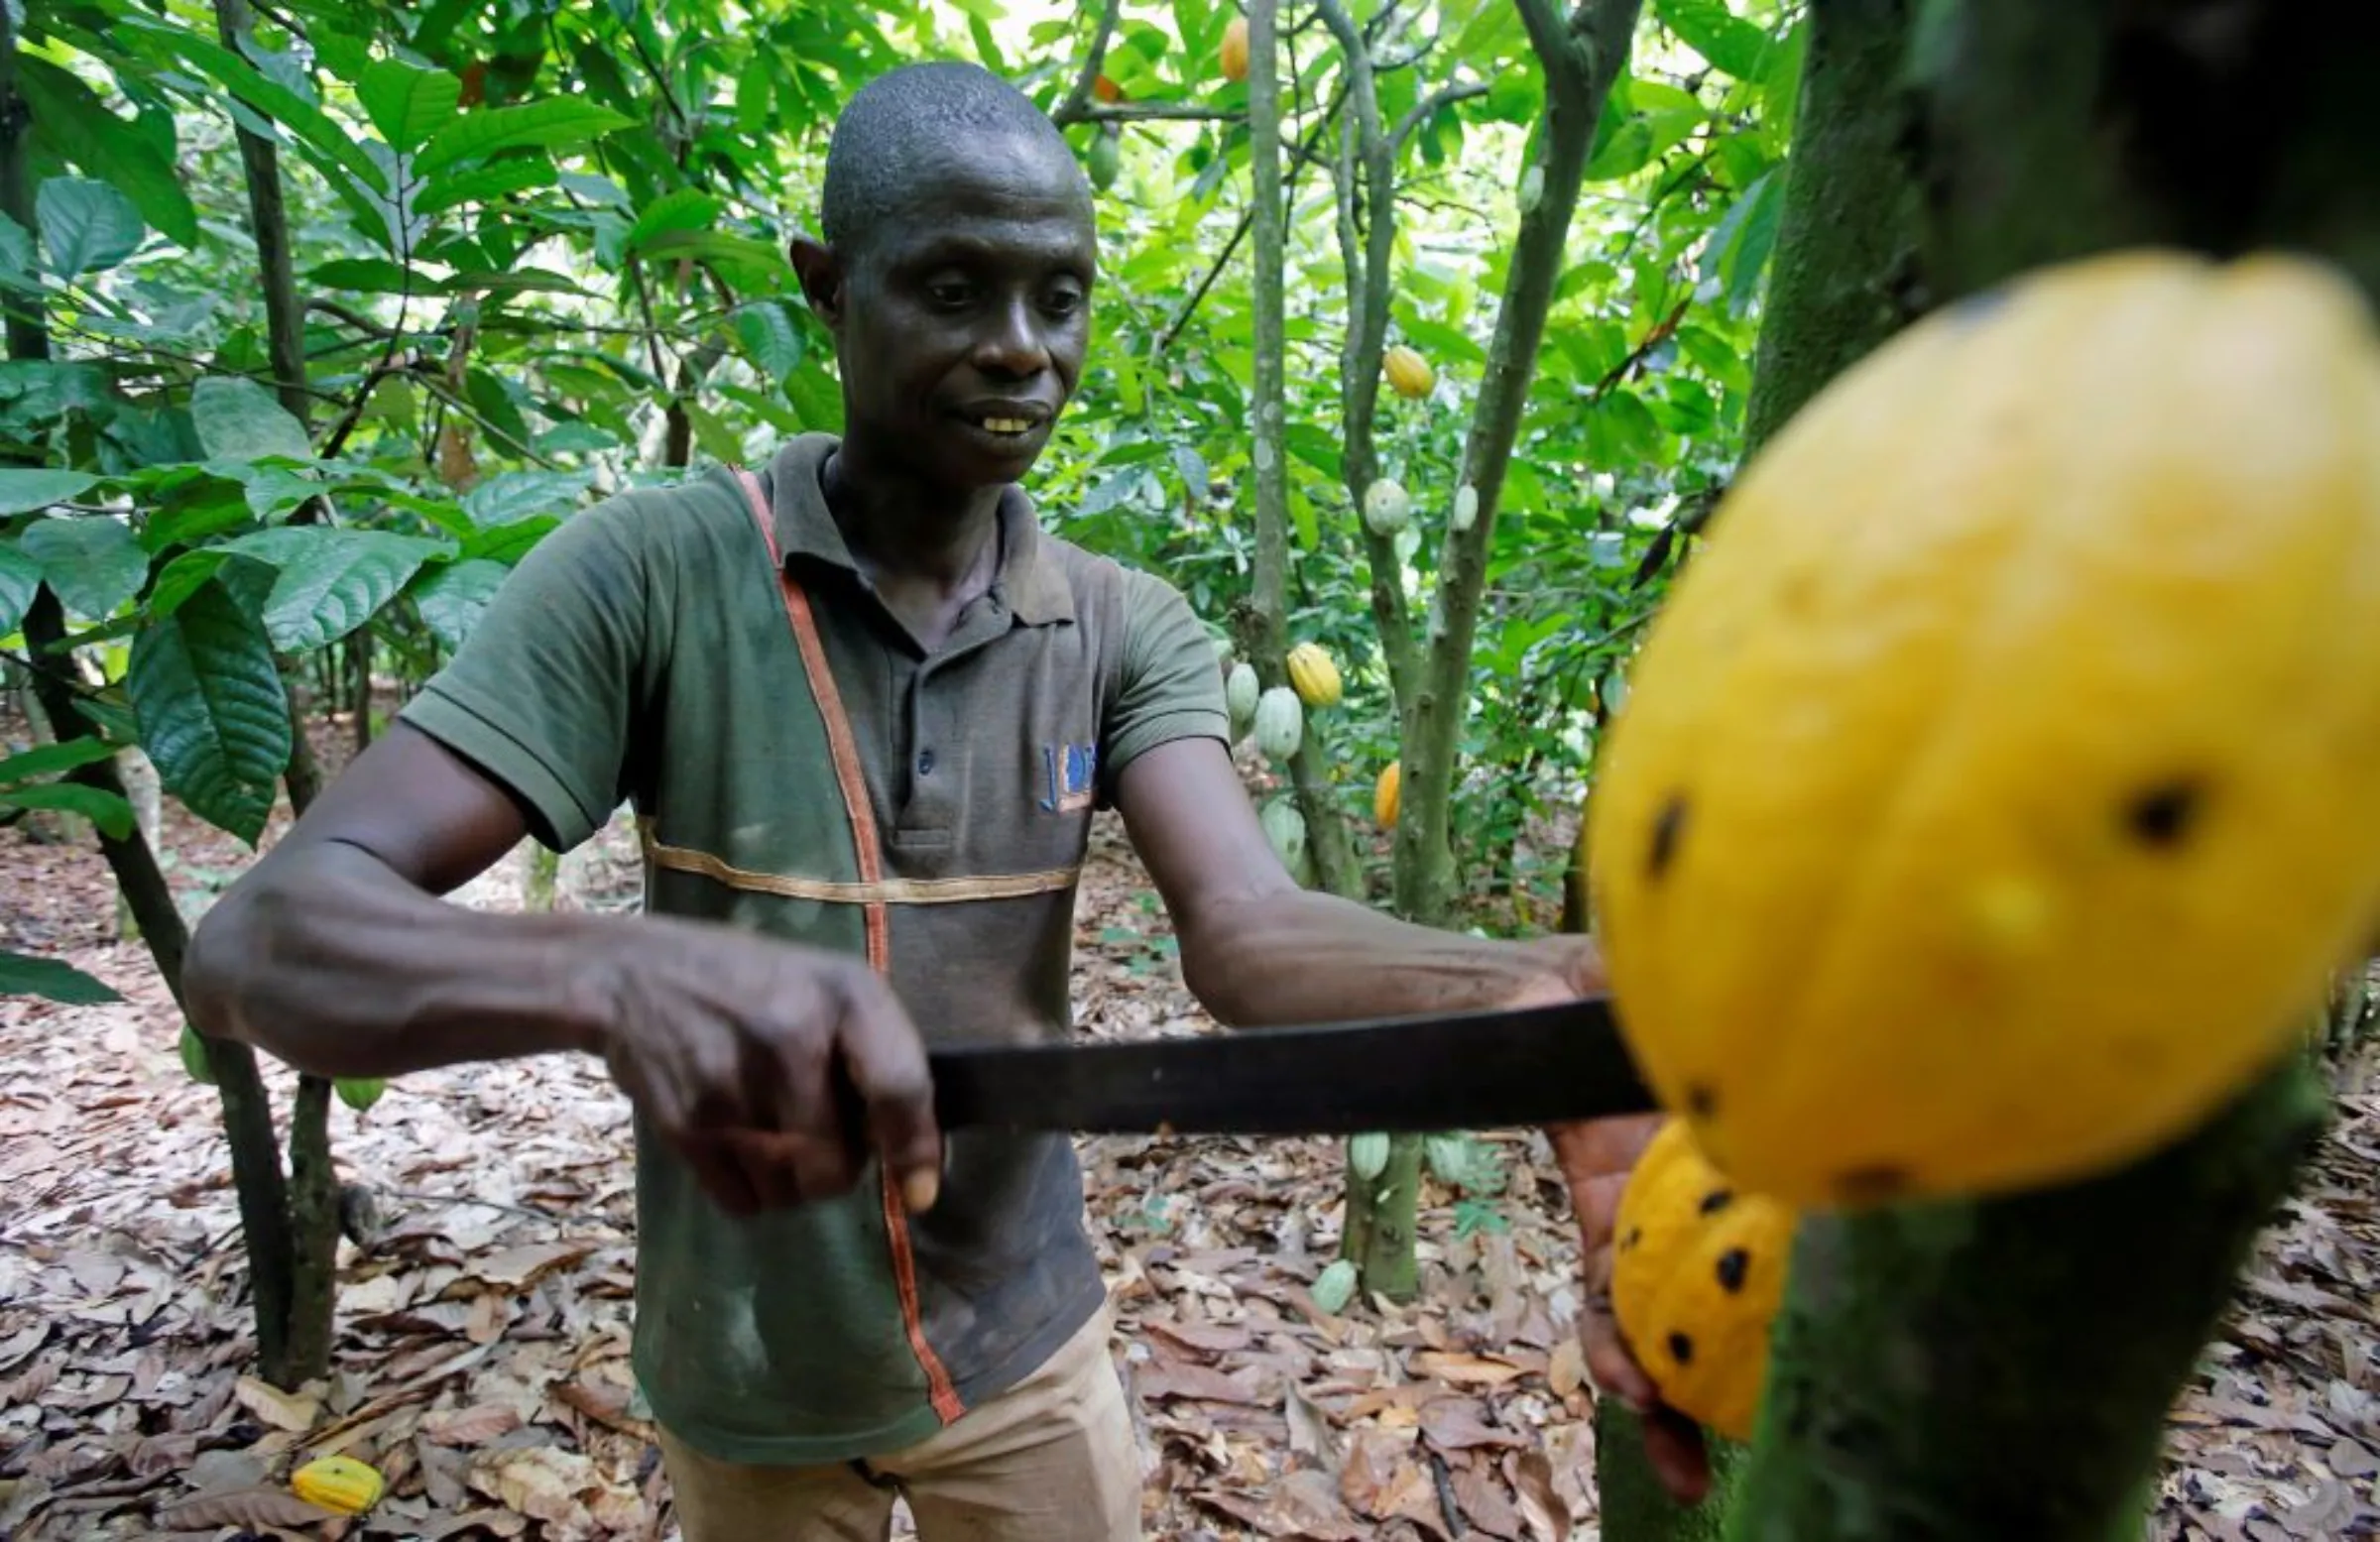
821, 275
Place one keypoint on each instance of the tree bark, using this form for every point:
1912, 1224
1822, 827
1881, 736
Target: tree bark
255, 1174
284, 326
1844, 275
1263, 633
1952, 1372
1582, 57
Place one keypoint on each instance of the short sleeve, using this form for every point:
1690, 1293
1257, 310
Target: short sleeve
1168, 687
541, 694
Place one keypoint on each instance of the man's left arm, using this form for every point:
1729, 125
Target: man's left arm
1259, 950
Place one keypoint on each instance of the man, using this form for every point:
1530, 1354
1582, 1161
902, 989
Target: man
864, 710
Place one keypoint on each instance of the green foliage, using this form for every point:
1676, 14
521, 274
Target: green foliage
534, 246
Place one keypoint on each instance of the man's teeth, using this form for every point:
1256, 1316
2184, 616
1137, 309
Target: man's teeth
1007, 425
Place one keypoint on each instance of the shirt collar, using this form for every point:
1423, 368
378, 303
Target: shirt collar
1030, 579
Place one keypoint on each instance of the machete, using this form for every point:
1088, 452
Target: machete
1475, 1070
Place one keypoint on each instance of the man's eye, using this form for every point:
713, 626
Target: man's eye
950, 295
1064, 301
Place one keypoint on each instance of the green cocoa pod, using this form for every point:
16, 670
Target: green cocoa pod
1106, 155
360, 1092
1280, 724
1367, 1154
1285, 828
1335, 1286
194, 1057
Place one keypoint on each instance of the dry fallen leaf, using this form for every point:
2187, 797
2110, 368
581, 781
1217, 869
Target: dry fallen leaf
250, 1509
1565, 1368
473, 1426
1309, 1427
295, 1412
541, 1481
1453, 1424
1465, 1370
1541, 1508
515, 1268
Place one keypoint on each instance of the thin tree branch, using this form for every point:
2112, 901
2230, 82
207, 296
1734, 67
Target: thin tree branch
1580, 68
1307, 153
336, 439
1428, 107
1368, 175
1266, 636
269, 227
1079, 97
455, 403
1135, 112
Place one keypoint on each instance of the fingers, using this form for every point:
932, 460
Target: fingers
1609, 1366
885, 1060
722, 1175
1674, 1447
1601, 1147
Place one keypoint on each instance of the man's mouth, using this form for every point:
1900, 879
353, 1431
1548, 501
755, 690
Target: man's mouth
1007, 421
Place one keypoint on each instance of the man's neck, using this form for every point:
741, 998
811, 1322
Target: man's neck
907, 534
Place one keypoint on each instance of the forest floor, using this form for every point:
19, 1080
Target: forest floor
483, 1335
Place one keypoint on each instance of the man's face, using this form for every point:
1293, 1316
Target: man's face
962, 321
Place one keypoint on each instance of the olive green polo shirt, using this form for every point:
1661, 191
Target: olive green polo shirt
651, 652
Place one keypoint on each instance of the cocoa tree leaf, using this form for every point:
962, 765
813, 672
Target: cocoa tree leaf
20, 581
86, 225
24, 489
550, 124
451, 597
76, 124
109, 812
52, 980
212, 715
337, 582
93, 561
238, 420
406, 103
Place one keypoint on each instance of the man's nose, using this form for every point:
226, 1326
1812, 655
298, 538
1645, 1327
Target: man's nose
1012, 343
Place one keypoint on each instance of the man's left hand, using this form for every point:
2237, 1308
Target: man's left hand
1597, 1157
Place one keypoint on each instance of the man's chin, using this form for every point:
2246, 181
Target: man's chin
976, 457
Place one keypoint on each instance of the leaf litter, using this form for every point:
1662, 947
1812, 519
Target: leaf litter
483, 1329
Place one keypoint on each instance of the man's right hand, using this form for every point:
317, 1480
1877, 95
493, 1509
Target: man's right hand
771, 1067
756, 1061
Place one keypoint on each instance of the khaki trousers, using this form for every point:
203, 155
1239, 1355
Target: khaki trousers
1051, 1460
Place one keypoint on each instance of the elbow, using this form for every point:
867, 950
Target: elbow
211, 970
1218, 969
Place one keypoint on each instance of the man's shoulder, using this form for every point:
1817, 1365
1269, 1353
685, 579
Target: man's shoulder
1093, 576
665, 512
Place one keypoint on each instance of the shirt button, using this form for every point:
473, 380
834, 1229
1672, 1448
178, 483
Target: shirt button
926, 762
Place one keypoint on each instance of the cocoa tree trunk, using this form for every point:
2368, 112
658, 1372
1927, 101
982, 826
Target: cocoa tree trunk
290, 1270
1988, 1370
1262, 633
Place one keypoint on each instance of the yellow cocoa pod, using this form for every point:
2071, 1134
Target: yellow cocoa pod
1234, 54
2019, 712
1409, 374
1698, 1270
1385, 794
339, 1484
1313, 676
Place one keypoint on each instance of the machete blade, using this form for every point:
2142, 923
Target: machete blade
1481, 1070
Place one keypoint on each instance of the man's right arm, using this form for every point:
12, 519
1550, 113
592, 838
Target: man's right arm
335, 954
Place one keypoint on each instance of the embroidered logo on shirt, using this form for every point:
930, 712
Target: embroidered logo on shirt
1072, 772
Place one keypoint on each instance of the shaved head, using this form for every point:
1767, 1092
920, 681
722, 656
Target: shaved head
909, 117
